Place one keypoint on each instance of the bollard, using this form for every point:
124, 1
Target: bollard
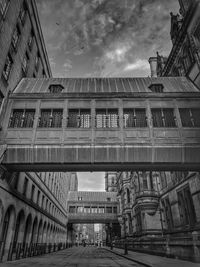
125, 248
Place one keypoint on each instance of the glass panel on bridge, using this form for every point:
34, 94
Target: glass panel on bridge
51, 118
190, 117
108, 209
22, 118
135, 118
107, 118
163, 117
79, 118
72, 209
101, 210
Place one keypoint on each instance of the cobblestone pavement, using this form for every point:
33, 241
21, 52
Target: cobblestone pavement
75, 257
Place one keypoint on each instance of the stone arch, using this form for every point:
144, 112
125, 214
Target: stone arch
34, 230
7, 231
19, 227
27, 229
44, 233
48, 232
39, 232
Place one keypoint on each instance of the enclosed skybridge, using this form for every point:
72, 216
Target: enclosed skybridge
92, 207
100, 124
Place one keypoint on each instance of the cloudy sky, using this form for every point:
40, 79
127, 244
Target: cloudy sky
105, 37
94, 38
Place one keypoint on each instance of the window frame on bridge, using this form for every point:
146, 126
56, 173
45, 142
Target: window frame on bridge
161, 117
189, 118
22, 118
79, 118
106, 118
133, 119
51, 121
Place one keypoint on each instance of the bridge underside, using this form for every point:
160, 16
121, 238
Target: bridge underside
101, 157
92, 218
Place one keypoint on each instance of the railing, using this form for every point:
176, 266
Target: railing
184, 247
24, 250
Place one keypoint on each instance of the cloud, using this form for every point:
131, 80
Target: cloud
118, 32
88, 181
139, 64
68, 64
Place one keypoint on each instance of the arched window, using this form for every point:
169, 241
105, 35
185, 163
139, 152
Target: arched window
128, 195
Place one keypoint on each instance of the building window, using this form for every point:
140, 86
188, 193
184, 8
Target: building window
115, 210
87, 209
80, 209
163, 117
107, 118
135, 118
15, 37
3, 8
7, 67
51, 118
22, 14
168, 213
30, 40
190, 117
25, 186
42, 202
37, 61
16, 181
163, 179
38, 197
138, 221
101, 210
44, 74
186, 207
94, 210
156, 88
130, 227
145, 181
25, 63
55, 88
22, 118
32, 192
108, 209
128, 195
79, 118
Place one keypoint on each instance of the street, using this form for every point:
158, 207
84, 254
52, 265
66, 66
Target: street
76, 256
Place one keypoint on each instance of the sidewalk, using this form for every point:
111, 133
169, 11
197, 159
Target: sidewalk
152, 260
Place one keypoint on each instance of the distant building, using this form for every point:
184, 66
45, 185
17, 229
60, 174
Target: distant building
110, 182
184, 58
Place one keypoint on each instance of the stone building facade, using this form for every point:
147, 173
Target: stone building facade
32, 205
22, 48
159, 211
32, 209
184, 58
